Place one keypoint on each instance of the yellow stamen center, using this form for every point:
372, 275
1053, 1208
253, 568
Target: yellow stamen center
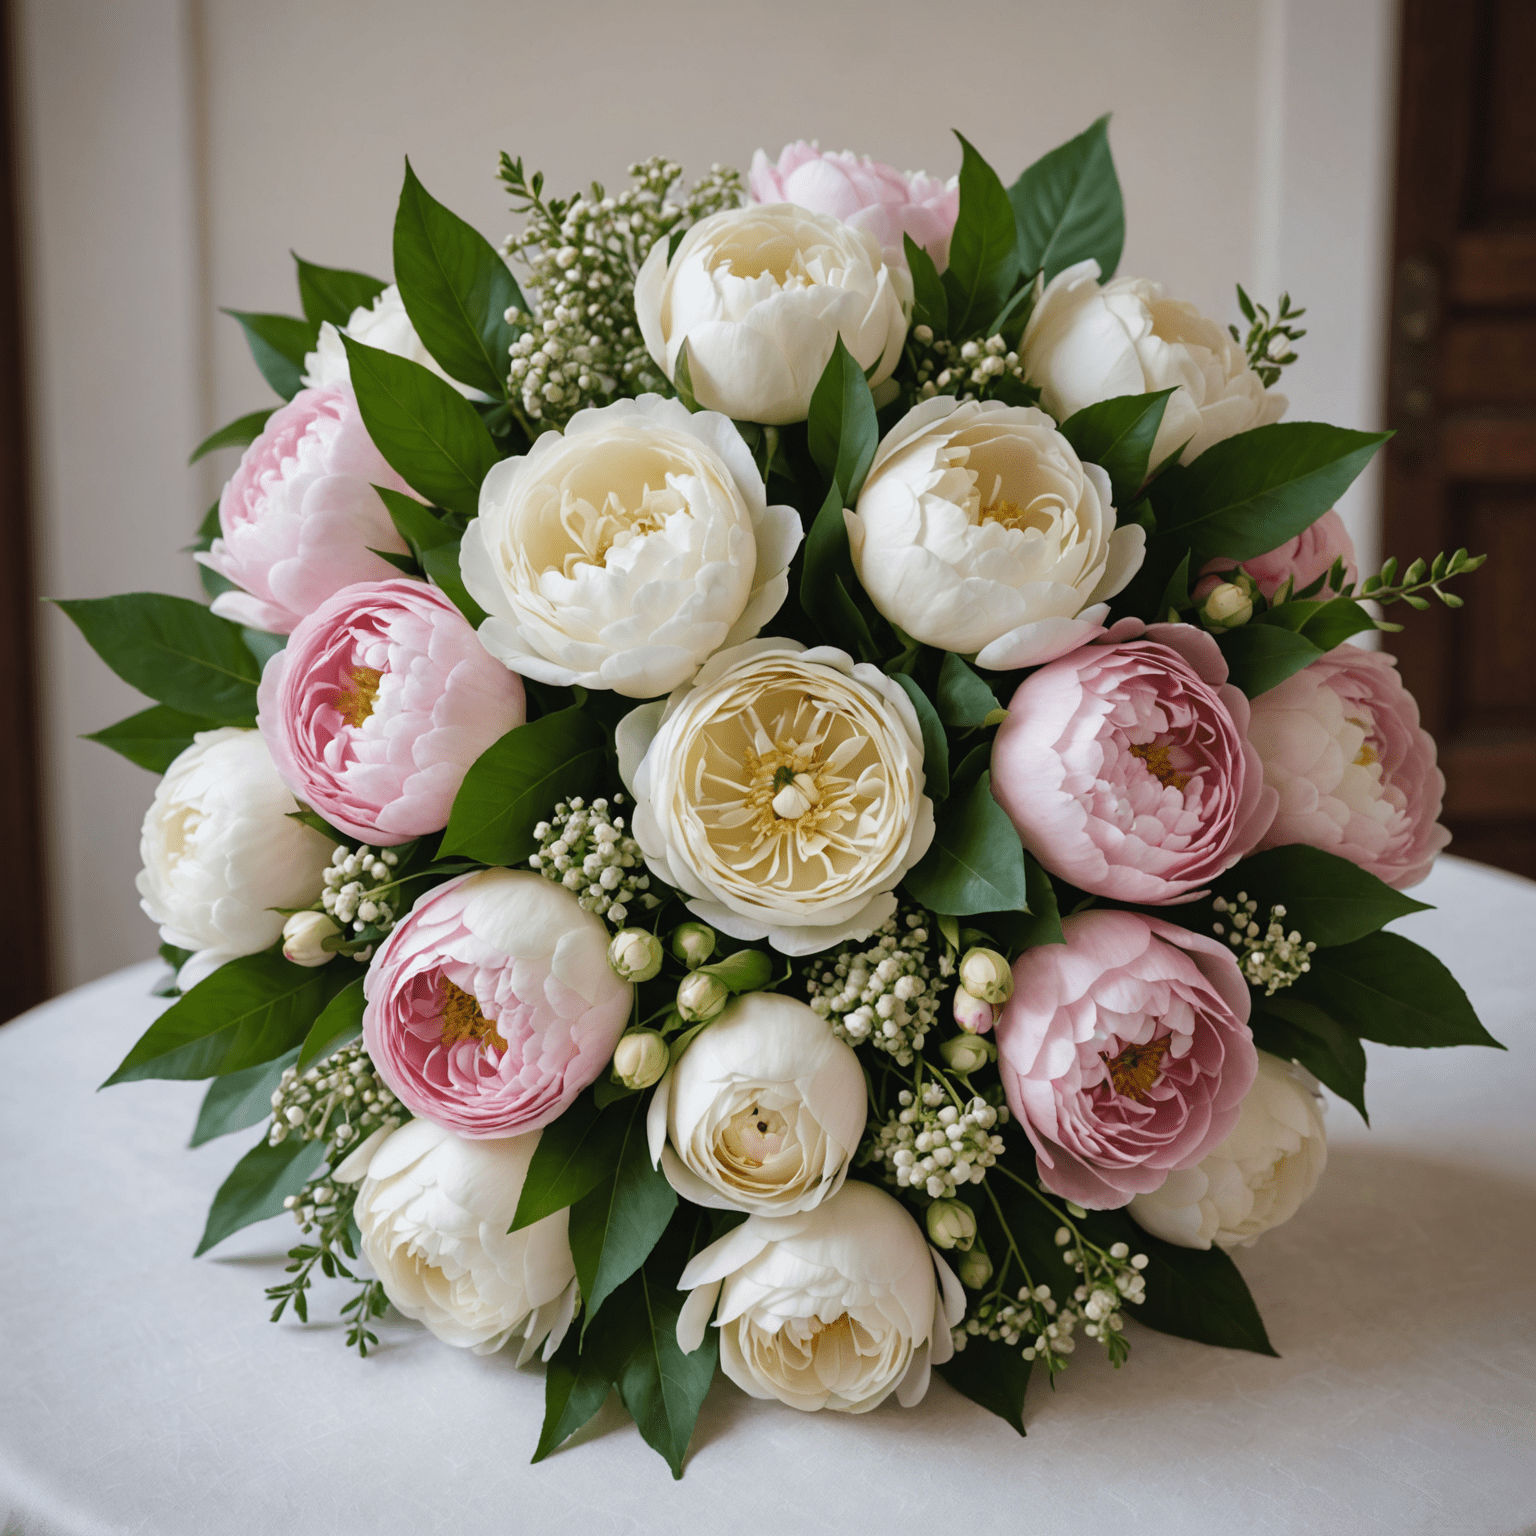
1155, 755
1367, 753
1137, 1068
356, 703
463, 1020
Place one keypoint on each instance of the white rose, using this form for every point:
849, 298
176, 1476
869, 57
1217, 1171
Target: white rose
980, 531
762, 1112
782, 792
384, 325
761, 295
833, 1308
220, 852
1086, 343
626, 551
1257, 1178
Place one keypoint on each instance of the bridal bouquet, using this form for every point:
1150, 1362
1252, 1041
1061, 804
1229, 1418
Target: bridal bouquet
778, 777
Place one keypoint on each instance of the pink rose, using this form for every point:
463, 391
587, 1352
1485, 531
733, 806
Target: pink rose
864, 193
493, 1004
1126, 767
1306, 557
381, 700
299, 517
1125, 1052
1341, 744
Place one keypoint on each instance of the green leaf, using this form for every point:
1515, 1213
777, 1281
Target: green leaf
577, 1381
931, 304
983, 250
512, 784
1195, 1294
457, 290
154, 738
262, 644
248, 1011
242, 1099
574, 1155
339, 1021
935, 746
441, 563
279, 343
1068, 207
258, 1185
238, 434
1117, 435
964, 700
993, 1375
682, 379
1175, 598
332, 293
1250, 493
1261, 656
976, 863
1333, 622
430, 435
840, 429
826, 577
420, 527
174, 650
1294, 1030
1044, 921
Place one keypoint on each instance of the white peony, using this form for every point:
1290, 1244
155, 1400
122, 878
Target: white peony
833, 1308
782, 792
220, 852
762, 1112
434, 1211
1086, 343
980, 531
626, 551
1257, 1178
760, 295
384, 325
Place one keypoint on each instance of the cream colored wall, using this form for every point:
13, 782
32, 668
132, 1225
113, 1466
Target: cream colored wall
175, 152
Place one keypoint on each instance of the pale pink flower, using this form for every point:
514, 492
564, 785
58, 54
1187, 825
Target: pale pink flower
1126, 1053
379, 703
1126, 768
1306, 557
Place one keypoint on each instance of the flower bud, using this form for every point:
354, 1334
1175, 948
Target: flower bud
973, 1015
1226, 603
951, 1224
985, 974
693, 943
701, 996
634, 954
304, 934
974, 1268
968, 1053
640, 1058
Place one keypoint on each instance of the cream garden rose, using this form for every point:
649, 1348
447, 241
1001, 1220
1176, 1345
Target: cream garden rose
781, 792
760, 295
980, 531
625, 551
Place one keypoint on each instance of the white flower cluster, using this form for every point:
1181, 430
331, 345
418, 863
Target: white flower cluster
1272, 959
355, 886
966, 370
1035, 1316
932, 1146
585, 348
344, 1089
585, 849
886, 993
1109, 1280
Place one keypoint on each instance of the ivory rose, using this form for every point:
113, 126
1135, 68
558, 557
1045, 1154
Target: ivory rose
1125, 1052
864, 193
1085, 342
761, 295
626, 551
782, 792
1341, 745
1126, 768
980, 531
385, 325
492, 1005
377, 706
300, 519
1303, 559
832, 1308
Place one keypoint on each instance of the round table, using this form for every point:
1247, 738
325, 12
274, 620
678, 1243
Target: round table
143, 1392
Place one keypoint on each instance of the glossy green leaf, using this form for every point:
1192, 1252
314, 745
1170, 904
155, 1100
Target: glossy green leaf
1118, 435
682, 379
935, 745
994, 1376
964, 700
574, 1155
1261, 656
237, 434
976, 862
841, 429
332, 293
279, 344
577, 1382
826, 578
258, 1185
420, 527
154, 738
441, 563
983, 250
931, 305
339, 1021
1068, 207
240, 1100
1294, 1030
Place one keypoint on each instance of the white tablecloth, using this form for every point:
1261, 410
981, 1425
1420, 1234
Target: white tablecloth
143, 1392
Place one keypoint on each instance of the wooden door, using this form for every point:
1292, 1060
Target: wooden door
1462, 398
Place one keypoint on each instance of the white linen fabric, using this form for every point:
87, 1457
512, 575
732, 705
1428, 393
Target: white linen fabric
147, 1393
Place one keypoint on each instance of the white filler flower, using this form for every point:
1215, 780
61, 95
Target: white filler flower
624, 552
760, 295
1086, 343
762, 1111
782, 792
384, 325
1257, 1178
980, 531
220, 852
434, 1212
836, 1308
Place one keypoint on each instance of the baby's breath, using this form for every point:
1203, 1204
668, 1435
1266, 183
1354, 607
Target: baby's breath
585, 848
971, 370
1271, 959
933, 1146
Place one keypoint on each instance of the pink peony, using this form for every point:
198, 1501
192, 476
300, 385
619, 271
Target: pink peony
864, 193
1306, 557
299, 517
493, 1004
1126, 768
1341, 744
381, 700
1126, 1053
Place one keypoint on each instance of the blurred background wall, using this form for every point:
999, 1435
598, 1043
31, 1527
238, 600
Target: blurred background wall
174, 151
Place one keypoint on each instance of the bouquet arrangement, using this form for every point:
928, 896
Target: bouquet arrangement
776, 777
